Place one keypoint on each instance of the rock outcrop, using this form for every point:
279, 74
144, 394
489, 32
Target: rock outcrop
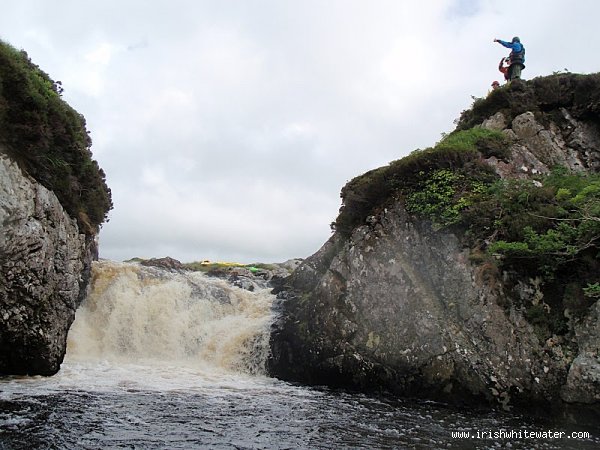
166, 263
398, 304
44, 270
53, 199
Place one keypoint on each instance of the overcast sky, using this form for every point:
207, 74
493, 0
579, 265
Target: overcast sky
227, 128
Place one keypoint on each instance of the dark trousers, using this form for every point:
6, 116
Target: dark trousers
514, 71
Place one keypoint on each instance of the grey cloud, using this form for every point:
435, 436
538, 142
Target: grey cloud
227, 128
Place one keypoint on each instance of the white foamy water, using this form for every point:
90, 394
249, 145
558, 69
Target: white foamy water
145, 315
177, 360
149, 329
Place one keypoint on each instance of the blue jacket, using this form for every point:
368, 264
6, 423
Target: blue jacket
518, 51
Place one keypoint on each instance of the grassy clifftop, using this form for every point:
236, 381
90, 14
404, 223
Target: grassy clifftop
49, 139
463, 151
545, 226
458, 156
579, 93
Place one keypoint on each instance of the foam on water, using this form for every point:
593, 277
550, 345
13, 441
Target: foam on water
143, 328
169, 360
137, 314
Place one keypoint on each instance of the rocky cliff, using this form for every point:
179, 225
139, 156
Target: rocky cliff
52, 201
450, 274
45, 265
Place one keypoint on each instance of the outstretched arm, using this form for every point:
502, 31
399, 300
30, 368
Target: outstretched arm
504, 43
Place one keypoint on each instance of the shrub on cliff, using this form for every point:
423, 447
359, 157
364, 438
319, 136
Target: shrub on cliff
453, 166
549, 222
454, 163
579, 93
443, 195
49, 140
547, 229
542, 225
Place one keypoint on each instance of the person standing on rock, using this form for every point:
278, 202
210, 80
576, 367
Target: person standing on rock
516, 57
503, 67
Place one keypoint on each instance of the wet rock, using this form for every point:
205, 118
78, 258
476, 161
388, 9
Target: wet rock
163, 263
583, 381
44, 272
251, 278
416, 314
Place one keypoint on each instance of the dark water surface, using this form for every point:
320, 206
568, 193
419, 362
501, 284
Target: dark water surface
160, 360
247, 413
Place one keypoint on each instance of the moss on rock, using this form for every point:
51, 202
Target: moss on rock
49, 139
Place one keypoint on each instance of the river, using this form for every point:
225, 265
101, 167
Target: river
160, 360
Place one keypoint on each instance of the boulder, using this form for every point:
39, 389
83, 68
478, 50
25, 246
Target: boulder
163, 263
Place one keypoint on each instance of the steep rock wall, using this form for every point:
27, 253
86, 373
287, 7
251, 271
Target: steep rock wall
44, 269
399, 305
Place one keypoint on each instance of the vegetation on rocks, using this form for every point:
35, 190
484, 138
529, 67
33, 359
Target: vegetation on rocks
468, 270
205, 266
49, 139
436, 182
546, 227
548, 223
211, 266
579, 93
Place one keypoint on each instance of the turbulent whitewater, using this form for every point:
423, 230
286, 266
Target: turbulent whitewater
150, 315
165, 359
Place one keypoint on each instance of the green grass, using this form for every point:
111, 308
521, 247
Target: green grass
546, 229
49, 139
208, 266
457, 157
579, 93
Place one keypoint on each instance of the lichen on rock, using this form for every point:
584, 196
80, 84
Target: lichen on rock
405, 295
44, 270
53, 199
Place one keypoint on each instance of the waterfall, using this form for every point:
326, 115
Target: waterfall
149, 315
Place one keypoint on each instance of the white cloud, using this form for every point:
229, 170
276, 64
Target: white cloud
227, 129
100, 55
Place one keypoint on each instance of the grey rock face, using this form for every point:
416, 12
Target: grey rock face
583, 381
399, 306
536, 148
44, 270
